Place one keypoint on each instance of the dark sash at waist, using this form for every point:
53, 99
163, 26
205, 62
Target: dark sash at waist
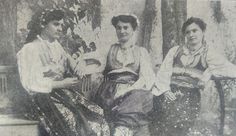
123, 77
184, 81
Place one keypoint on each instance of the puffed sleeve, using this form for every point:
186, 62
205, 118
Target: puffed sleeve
163, 78
146, 73
31, 70
218, 66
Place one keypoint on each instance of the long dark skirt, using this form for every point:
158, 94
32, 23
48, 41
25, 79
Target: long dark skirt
52, 118
130, 111
176, 118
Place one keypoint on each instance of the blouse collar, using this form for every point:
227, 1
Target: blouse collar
187, 51
55, 42
128, 45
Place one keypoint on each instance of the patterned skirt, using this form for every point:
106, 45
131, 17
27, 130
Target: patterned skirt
62, 115
176, 117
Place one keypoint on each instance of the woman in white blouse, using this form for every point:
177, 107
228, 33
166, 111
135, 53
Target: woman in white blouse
43, 64
184, 72
125, 94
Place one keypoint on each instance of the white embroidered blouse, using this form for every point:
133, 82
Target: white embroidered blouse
217, 65
36, 59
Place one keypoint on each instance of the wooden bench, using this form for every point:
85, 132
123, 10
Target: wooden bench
11, 126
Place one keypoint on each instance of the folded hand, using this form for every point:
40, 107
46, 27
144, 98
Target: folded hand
169, 96
70, 82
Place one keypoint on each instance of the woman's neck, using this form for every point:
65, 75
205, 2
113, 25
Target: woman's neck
126, 45
44, 36
193, 48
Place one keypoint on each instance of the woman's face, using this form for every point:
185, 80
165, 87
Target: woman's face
194, 34
53, 29
124, 31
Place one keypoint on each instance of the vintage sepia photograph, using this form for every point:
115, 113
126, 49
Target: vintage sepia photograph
117, 67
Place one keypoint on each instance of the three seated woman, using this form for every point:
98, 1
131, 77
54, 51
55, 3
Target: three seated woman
126, 94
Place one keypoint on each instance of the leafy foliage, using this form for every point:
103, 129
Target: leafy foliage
76, 12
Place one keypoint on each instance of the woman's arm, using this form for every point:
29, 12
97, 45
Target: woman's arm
164, 74
31, 70
65, 83
218, 66
146, 74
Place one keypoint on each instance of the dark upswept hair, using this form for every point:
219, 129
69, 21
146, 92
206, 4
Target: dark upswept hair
126, 19
40, 19
195, 20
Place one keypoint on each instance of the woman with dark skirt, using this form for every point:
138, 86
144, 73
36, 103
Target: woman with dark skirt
125, 95
182, 76
43, 65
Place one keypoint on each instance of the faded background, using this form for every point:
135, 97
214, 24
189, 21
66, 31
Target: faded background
159, 30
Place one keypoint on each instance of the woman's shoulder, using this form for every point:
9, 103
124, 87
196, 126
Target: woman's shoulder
31, 47
114, 45
175, 48
213, 52
140, 49
34, 43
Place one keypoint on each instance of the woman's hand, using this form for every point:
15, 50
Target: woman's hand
65, 83
170, 96
201, 84
70, 82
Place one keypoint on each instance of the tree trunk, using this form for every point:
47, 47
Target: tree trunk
149, 15
174, 13
7, 31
